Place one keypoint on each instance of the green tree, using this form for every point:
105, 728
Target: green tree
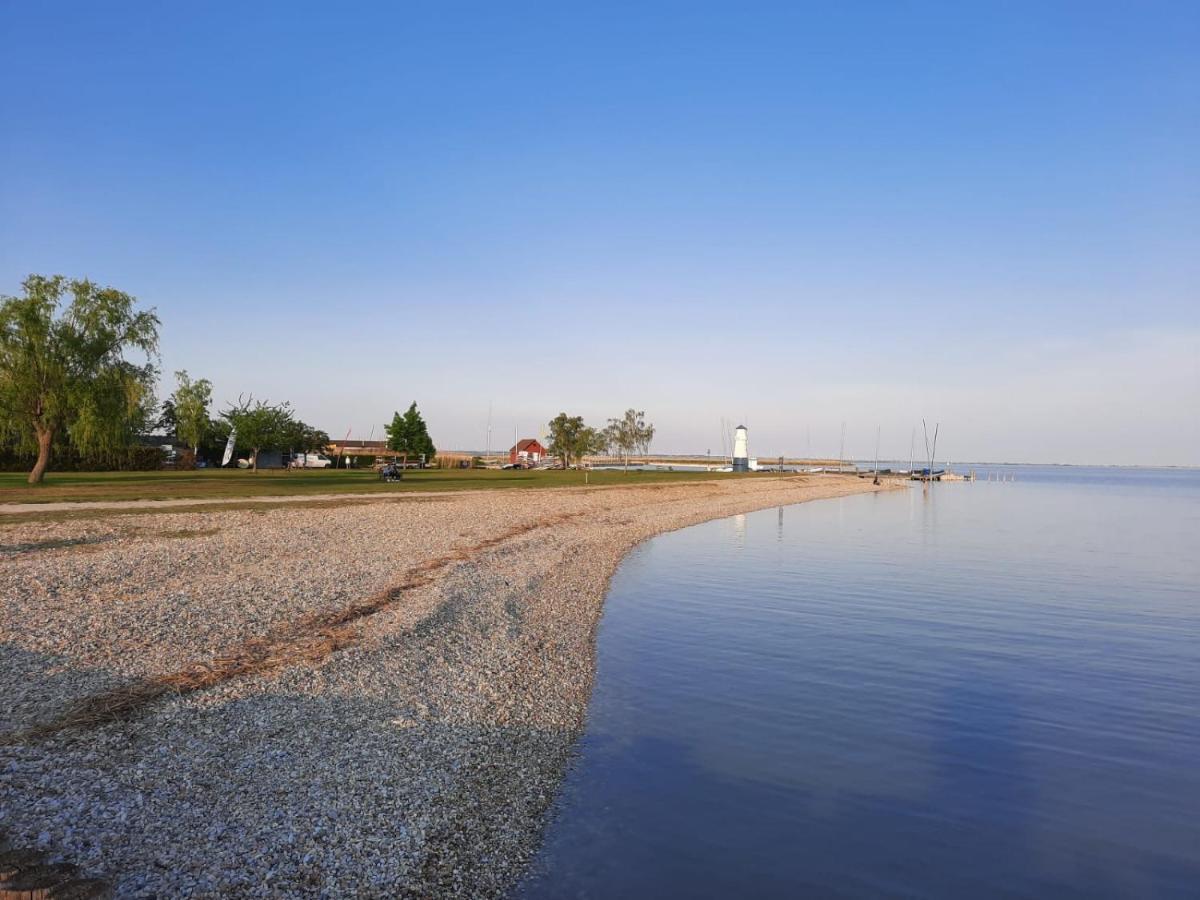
300, 437
260, 425
63, 370
571, 440
213, 447
408, 435
167, 423
629, 434
313, 440
189, 406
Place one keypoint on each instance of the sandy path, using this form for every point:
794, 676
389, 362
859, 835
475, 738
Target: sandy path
414, 757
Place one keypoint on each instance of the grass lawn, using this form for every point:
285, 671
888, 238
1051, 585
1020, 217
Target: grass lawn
225, 484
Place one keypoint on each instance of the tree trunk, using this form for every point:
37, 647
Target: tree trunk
44, 437
254, 461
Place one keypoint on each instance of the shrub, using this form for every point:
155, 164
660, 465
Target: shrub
135, 458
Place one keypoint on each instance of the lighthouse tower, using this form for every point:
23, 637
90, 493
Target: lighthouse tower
741, 450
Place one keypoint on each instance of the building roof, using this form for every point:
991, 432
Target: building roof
355, 442
524, 444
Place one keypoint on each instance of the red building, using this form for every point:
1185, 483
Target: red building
527, 450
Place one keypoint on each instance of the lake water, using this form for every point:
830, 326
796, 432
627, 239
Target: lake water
983, 690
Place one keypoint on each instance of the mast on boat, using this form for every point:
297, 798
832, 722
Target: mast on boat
931, 452
877, 429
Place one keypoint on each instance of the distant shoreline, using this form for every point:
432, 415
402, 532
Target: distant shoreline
802, 460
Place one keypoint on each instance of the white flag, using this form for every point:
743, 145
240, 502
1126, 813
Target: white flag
229, 447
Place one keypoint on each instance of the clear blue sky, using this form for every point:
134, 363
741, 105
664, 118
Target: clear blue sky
987, 215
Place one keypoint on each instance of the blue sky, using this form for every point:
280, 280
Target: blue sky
799, 215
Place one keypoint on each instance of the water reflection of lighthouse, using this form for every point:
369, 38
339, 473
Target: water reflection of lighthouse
741, 450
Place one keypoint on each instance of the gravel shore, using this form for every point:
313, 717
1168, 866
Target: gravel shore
411, 751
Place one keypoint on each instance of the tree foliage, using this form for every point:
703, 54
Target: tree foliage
300, 437
167, 423
212, 448
260, 425
409, 435
189, 409
268, 426
571, 439
64, 371
629, 434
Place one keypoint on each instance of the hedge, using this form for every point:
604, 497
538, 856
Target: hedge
136, 458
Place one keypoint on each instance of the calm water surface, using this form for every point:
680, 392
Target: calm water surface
989, 689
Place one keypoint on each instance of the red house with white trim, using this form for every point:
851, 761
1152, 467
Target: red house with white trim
527, 450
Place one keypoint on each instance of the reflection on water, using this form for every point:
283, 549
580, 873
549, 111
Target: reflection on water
988, 689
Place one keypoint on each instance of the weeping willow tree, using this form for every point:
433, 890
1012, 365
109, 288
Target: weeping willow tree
63, 371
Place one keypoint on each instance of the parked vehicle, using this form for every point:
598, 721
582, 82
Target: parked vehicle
310, 461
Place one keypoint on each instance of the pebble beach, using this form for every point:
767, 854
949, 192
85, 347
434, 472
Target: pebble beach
370, 698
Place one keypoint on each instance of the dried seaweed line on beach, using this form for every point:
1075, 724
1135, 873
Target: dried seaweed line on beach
311, 640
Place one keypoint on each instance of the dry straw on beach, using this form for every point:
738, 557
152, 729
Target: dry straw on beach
310, 640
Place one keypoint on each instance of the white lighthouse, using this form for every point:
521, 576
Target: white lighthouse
741, 450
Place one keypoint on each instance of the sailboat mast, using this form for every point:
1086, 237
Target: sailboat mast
487, 453
877, 431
